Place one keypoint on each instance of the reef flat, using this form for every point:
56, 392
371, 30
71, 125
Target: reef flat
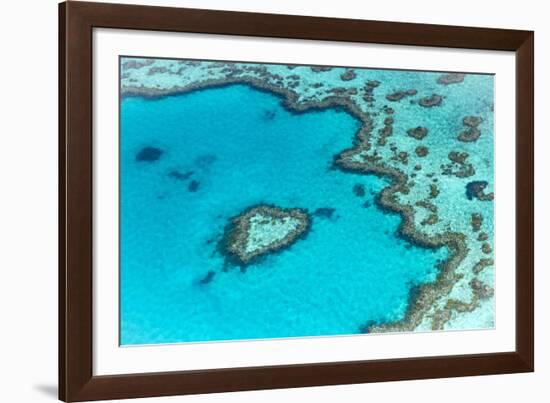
262, 229
431, 136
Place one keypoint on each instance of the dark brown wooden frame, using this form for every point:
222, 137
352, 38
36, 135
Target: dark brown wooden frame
76, 22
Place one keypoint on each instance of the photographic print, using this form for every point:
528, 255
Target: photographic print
262, 201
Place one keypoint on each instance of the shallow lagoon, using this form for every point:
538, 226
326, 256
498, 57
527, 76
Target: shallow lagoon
243, 148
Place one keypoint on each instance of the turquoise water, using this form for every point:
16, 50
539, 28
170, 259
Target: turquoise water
224, 150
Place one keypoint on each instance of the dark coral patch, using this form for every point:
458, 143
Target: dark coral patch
476, 189
472, 121
401, 156
482, 264
399, 95
421, 151
359, 190
481, 289
458, 157
319, 69
149, 154
486, 248
476, 221
341, 91
459, 166
434, 191
372, 84
433, 100
470, 135
348, 75
452, 78
193, 186
482, 236
324, 212
268, 115
396, 96
384, 133
208, 277
177, 175
418, 132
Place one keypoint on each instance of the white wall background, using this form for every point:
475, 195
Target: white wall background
28, 201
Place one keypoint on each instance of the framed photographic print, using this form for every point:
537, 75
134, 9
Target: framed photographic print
252, 201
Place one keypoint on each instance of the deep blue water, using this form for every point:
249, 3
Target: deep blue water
241, 148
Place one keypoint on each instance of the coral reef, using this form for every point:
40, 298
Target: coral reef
421, 151
359, 190
175, 174
399, 95
471, 133
193, 186
459, 166
476, 221
431, 305
482, 264
476, 189
418, 132
208, 277
348, 75
324, 212
452, 78
149, 154
260, 230
431, 101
